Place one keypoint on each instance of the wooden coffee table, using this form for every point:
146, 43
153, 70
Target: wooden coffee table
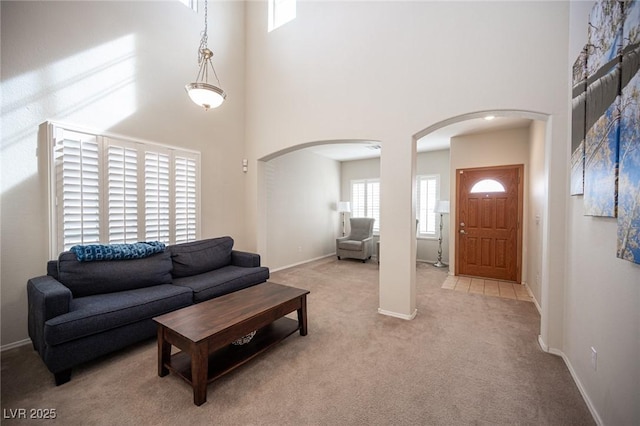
204, 332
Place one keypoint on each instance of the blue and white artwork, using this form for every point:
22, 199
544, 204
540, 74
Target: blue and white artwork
602, 118
629, 175
605, 140
578, 117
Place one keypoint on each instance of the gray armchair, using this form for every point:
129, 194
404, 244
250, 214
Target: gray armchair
359, 243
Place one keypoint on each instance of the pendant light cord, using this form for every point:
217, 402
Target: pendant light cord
204, 53
203, 40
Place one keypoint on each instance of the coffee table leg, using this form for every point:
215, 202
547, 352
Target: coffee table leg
164, 353
199, 373
302, 315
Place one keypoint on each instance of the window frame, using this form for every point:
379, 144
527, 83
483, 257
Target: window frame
427, 235
54, 131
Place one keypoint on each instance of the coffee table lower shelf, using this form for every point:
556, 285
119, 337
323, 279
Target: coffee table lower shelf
230, 357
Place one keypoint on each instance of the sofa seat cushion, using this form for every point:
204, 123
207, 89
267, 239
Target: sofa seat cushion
98, 313
200, 256
96, 278
222, 281
351, 245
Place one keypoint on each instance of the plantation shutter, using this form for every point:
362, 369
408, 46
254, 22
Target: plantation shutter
185, 199
122, 183
365, 200
77, 166
157, 196
358, 199
427, 196
373, 203
117, 191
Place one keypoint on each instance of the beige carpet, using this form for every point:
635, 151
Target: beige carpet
465, 359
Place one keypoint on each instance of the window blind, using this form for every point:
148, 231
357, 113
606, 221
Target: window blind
365, 200
115, 191
427, 196
186, 200
156, 196
122, 172
77, 159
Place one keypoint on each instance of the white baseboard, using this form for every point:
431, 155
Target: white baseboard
576, 379
302, 262
15, 345
535, 302
398, 315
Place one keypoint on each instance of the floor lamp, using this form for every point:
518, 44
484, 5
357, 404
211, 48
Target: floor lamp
441, 207
344, 207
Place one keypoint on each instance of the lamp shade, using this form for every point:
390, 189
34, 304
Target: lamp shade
441, 207
205, 95
344, 207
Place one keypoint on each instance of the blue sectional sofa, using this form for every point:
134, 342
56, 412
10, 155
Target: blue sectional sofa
82, 310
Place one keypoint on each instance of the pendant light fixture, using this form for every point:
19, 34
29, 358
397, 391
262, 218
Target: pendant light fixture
201, 92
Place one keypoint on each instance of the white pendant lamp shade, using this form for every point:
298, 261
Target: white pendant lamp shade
205, 95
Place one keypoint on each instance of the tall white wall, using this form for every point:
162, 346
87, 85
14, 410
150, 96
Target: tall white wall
387, 70
116, 67
302, 218
602, 299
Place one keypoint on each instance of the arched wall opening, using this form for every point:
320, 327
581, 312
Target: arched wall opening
299, 188
535, 272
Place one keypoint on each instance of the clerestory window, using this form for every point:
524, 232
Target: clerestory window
280, 12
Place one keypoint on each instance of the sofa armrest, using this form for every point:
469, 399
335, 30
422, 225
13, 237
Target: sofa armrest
47, 298
245, 259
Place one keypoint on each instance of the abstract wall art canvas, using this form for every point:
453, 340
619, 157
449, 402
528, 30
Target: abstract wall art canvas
605, 140
578, 117
602, 109
629, 175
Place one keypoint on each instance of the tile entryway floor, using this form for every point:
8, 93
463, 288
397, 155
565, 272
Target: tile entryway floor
494, 288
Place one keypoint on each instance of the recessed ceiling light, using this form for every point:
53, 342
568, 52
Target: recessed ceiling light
490, 117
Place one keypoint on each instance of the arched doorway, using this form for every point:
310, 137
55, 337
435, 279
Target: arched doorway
299, 188
537, 201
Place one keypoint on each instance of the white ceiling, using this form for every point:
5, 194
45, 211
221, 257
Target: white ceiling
436, 140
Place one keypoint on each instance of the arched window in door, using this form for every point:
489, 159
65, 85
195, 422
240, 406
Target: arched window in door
487, 185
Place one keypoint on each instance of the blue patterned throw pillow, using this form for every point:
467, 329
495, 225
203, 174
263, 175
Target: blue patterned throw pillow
92, 252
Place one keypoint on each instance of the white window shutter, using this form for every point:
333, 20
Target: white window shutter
77, 160
157, 197
365, 200
358, 200
373, 203
122, 193
185, 199
427, 196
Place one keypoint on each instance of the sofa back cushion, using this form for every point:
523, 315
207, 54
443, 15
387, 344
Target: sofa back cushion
200, 256
98, 277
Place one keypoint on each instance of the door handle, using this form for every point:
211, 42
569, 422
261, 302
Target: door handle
462, 231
